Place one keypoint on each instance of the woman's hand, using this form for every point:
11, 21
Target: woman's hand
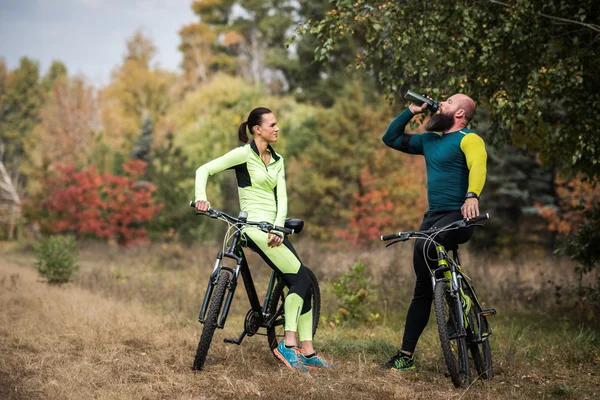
202, 205
274, 240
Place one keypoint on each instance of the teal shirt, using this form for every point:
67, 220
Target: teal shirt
261, 188
455, 161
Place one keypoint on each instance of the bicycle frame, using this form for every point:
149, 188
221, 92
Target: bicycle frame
236, 253
453, 275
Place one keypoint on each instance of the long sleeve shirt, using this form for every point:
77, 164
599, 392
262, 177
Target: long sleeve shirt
455, 161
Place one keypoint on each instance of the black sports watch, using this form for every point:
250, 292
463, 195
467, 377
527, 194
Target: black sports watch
472, 195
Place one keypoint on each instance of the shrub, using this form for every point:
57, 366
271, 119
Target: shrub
355, 294
57, 258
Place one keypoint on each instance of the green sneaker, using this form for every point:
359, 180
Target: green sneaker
289, 356
315, 361
401, 361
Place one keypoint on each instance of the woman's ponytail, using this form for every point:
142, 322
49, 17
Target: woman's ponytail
242, 132
255, 118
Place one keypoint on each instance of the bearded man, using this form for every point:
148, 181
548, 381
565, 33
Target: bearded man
456, 169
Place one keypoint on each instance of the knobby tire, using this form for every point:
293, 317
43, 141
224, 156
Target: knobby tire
210, 323
445, 310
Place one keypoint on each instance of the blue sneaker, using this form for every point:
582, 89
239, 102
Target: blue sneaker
315, 361
289, 356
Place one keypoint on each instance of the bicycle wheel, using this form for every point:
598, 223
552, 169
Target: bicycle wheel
276, 307
478, 338
210, 323
454, 345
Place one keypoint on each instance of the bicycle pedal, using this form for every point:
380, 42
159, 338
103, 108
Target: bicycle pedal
487, 313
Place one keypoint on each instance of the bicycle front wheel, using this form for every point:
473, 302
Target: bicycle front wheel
210, 323
452, 339
275, 331
478, 338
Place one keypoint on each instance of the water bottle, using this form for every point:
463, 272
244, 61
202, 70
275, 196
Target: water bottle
419, 100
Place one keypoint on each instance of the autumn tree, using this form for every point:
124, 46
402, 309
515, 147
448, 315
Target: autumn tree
136, 89
68, 122
87, 203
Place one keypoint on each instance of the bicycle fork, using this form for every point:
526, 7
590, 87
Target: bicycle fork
212, 283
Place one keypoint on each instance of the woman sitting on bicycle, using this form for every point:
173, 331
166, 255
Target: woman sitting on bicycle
262, 193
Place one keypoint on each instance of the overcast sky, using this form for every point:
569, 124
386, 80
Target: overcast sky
89, 35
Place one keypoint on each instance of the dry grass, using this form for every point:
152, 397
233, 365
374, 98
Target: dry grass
126, 330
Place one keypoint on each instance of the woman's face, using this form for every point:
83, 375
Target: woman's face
268, 129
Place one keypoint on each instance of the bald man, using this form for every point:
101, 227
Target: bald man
456, 168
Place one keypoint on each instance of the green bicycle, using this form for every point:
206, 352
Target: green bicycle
462, 322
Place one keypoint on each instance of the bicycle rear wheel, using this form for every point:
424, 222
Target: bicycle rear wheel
478, 338
276, 331
454, 345
210, 323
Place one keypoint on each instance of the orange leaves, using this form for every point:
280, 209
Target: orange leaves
100, 205
575, 196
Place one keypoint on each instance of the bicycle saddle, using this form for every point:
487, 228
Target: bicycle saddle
295, 224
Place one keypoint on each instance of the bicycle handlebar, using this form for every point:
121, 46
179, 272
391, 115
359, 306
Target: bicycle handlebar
454, 225
263, 226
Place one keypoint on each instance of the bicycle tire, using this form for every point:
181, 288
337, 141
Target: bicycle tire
210, 323
454, 348
480, 350
276, 304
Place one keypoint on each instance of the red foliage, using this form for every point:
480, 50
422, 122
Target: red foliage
101, 205
391, 199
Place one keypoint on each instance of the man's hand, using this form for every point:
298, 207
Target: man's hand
274, 240
415, 109
471, 208
202, 205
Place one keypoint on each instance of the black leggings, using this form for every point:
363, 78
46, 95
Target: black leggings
420, 307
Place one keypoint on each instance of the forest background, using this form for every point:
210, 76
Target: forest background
116, 164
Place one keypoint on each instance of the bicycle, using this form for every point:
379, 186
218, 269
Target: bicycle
223, 282
459, 333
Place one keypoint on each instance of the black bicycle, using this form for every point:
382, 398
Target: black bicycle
223, 282
462, 323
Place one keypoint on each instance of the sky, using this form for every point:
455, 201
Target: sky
89, 36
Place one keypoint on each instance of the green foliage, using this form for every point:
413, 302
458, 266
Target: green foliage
19, 112
142, 146
533, 63
172, 174
355, 294
57, 258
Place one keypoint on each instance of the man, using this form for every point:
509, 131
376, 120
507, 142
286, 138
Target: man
456, 169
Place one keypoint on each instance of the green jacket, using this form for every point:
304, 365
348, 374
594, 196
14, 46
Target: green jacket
261, 188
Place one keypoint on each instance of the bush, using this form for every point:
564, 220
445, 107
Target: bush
355, 294
57, 258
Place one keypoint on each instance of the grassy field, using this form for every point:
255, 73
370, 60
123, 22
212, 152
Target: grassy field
127, 329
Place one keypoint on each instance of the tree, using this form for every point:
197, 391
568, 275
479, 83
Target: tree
533, 63
142, 146
136, 90
86, 203
20, 100
68, 121
247, 37
330, 183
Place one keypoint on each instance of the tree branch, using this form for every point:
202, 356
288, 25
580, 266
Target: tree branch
568, 21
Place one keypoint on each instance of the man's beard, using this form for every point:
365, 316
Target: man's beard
439, 122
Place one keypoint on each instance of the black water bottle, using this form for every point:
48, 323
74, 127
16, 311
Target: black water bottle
419, 100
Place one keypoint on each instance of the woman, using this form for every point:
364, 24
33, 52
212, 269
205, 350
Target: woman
261, 188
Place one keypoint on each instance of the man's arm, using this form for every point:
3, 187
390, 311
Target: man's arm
474, 149
396, 138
